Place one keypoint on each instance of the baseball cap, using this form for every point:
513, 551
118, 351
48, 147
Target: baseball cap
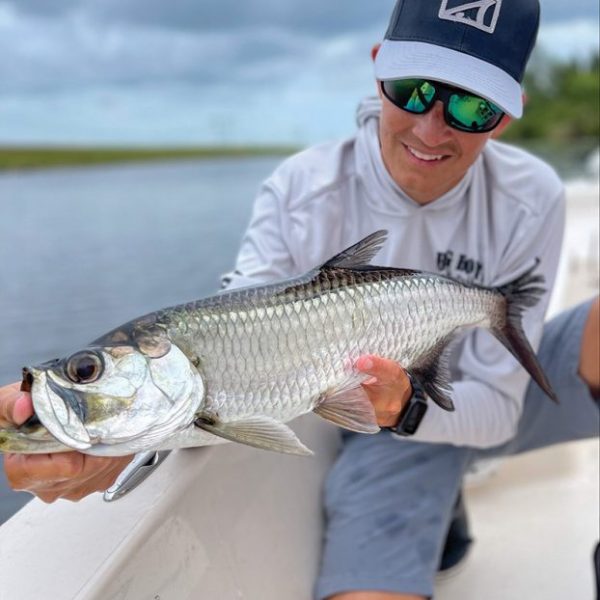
481, 46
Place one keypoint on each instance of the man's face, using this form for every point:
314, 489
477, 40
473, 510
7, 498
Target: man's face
424, 156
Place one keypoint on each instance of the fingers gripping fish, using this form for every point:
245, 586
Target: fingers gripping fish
241, 364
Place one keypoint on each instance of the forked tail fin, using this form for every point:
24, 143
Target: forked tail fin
521, 293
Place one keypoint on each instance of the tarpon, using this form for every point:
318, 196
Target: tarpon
242, 363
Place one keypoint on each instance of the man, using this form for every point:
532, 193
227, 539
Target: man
423, 166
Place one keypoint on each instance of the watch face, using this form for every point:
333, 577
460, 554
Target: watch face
412, 418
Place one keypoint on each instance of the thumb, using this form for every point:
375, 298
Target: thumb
383, 371
15, 406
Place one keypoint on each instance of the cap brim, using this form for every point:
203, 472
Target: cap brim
399, 59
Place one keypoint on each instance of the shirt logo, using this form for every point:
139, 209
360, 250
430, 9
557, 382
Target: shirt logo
482, 14
460, 266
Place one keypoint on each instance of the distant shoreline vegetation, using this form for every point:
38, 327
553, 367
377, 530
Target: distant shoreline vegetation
562, 102
561, 116
41, 157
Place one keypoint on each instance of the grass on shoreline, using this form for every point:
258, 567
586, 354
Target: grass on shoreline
33, 157
566, 158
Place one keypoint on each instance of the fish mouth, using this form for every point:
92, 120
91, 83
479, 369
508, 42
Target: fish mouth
27, 381
26, 384
57, 408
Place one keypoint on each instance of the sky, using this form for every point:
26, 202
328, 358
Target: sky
195, 72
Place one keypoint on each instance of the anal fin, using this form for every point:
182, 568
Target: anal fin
259, 432
433, 374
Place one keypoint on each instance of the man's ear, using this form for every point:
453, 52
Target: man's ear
374, 51
504, 123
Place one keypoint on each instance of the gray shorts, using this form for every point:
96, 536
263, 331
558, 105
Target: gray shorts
388, 503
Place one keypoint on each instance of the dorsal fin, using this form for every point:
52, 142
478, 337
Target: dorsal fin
359, 254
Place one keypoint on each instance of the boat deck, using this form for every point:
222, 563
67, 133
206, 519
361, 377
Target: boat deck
535, 523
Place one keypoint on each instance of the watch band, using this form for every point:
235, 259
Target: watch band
414, 411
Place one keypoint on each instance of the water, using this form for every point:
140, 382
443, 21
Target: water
84, 250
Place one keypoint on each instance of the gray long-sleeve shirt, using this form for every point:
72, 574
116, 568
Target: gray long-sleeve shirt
507, 211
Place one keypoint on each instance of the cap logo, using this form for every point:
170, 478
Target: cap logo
482, 14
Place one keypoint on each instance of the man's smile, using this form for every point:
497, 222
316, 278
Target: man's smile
424, 156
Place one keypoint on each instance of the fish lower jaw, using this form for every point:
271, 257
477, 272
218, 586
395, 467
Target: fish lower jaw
113, 450
18, 442
73, 438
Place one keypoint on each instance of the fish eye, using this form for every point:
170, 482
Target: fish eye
84, 367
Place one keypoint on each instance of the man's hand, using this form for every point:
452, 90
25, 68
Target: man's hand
389, 387
69, 475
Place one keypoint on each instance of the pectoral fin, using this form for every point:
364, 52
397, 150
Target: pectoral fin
260, 432
349, 407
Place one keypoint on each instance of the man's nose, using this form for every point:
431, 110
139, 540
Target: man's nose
431, 128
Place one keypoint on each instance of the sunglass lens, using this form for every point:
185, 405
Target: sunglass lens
413, 95
471, 113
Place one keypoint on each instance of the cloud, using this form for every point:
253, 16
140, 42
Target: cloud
320, 18
45, 8
73, 51
204, 71
68, 43
298, 97
316, 17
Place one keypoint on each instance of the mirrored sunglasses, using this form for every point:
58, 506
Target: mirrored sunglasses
462, 110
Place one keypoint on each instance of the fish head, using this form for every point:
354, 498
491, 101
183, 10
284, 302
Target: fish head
131, 389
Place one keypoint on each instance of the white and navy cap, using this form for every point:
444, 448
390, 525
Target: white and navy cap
481, 46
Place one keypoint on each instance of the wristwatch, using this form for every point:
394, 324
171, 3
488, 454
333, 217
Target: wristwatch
413, 412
